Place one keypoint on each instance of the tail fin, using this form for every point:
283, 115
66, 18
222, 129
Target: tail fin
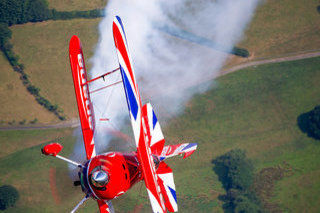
167, 186
156, 141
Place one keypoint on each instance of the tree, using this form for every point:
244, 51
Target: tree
243, 204
8, 196
5, 34
241, 52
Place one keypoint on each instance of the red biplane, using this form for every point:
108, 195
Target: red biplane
106, 176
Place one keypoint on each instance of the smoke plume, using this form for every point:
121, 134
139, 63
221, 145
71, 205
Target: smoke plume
169, 69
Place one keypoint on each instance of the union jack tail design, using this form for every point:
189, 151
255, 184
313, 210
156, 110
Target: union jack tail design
153, 128
85, 107
167, 186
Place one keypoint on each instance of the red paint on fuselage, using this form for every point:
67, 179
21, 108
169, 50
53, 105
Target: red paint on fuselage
123, 170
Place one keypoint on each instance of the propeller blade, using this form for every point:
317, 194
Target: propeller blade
110, 206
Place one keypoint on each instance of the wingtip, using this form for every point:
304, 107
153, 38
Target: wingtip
74, 44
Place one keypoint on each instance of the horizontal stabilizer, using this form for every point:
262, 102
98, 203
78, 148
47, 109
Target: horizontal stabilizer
185, 149
167, 186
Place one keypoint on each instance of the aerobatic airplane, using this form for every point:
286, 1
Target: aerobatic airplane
107, 176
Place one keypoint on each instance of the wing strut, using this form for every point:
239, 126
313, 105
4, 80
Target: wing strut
102, 76
80, 203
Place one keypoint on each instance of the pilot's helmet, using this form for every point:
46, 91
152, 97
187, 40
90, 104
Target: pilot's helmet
99, 178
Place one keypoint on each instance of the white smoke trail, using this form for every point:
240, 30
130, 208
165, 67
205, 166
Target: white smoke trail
165, 65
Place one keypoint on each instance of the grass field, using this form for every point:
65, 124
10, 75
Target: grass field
16, 103
282, 28
29, 171
278, 28
254, 109
68, 5
13, 141
43, 49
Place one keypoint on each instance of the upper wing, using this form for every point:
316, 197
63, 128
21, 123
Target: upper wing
128, 77
138, 124
82, 94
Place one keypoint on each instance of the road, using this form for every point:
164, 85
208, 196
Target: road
75, 122
269, 61
66, 124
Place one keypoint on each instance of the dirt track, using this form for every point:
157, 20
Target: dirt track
269, 61
75, 122
66, 124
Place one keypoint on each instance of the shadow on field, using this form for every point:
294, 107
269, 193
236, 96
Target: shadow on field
222, 171
303, 121
309, 123
318, 9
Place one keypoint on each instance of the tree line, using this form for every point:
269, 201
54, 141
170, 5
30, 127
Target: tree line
23, 11
6, 48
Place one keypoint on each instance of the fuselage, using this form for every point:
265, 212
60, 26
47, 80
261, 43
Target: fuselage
122, 171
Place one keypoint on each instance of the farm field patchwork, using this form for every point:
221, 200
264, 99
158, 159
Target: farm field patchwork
281, 28
254, 109
43, 49
17, 105
69, 5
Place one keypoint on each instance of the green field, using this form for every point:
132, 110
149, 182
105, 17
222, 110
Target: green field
16, 103
69, 5
288, 27
281, 28
43, 49
278, 28
13, 141
255, 109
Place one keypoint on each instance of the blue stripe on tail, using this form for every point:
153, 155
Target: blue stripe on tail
173, 192
154, 119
